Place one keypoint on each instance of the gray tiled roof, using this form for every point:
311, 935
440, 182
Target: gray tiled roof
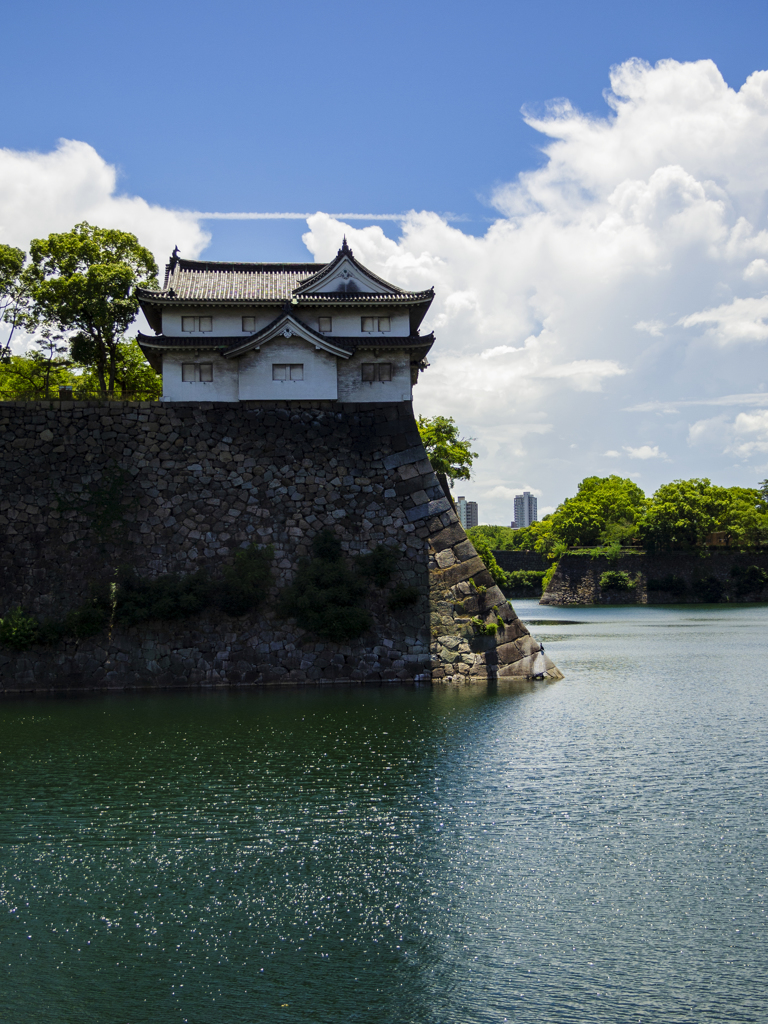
257, 283
237, 281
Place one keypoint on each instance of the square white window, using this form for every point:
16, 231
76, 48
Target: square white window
325, 324
280, 371
367, 324
297, 371
368, 372
385, 323
249, 324
188, 324
385, 371
206, 323
188, 372
206, 372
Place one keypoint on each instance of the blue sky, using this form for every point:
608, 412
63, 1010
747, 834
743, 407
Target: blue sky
372, 107
387, 108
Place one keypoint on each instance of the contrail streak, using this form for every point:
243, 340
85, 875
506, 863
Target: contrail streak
303, 216
298, 216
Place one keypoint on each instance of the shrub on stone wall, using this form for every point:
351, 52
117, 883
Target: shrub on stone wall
616, 579
483, 548
670, 584
484, 628
326, 596
750, 580
242, 589
709, 589
402, 598
526, 580
18, 629
379, 564
132, 599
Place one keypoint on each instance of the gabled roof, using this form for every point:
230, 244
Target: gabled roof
209, 283
154, 345
288, 326
345, 276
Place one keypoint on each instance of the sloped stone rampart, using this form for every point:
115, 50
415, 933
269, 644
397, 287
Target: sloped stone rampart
86, 487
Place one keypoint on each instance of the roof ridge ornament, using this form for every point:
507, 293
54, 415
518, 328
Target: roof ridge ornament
344, 250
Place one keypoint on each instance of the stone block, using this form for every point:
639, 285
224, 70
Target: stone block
448, 537
460, 571
415, 455
423, 511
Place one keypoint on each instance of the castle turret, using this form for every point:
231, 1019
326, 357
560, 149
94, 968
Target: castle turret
229, 332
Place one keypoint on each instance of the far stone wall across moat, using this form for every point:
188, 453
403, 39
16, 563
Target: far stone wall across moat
87, 487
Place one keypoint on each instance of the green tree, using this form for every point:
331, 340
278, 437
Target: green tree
451, 456
604, 511
14, 294
681, 514
82, 282
746, 522
483, 548
134, 377
39, 373
499, 538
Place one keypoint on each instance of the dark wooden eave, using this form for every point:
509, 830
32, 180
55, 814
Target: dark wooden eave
153, 346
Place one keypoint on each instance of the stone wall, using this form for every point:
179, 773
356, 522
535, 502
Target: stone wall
87, 487
576, 580
511, 561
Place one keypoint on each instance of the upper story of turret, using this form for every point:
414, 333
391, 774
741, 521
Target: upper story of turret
228, 332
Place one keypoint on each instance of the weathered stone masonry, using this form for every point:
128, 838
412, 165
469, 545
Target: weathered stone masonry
87, 487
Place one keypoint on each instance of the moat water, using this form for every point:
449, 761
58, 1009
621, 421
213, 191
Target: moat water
591, 850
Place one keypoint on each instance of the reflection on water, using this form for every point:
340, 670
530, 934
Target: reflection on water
590, 850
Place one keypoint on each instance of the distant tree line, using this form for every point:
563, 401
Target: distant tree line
611, 513
73, 296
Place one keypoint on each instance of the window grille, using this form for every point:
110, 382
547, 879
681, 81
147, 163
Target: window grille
190, 324
376, 371
287, 371
191, 372
249, 324
325, 324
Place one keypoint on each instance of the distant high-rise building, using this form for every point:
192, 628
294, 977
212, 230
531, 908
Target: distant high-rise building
467, 511
526, 510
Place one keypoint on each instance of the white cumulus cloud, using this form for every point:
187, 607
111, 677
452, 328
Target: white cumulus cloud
622, 284
745, 436
45, 192
616, 290
645, 451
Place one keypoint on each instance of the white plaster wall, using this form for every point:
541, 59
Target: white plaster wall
223, 387
226, 322
346, 323
353, 389
255, 372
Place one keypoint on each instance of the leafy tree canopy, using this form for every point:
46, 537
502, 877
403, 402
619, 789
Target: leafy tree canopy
13, 291
43, 369
451, 455
683, 513
82, 282
499, 538
606, 511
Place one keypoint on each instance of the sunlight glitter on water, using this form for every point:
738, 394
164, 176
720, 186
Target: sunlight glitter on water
592, 849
